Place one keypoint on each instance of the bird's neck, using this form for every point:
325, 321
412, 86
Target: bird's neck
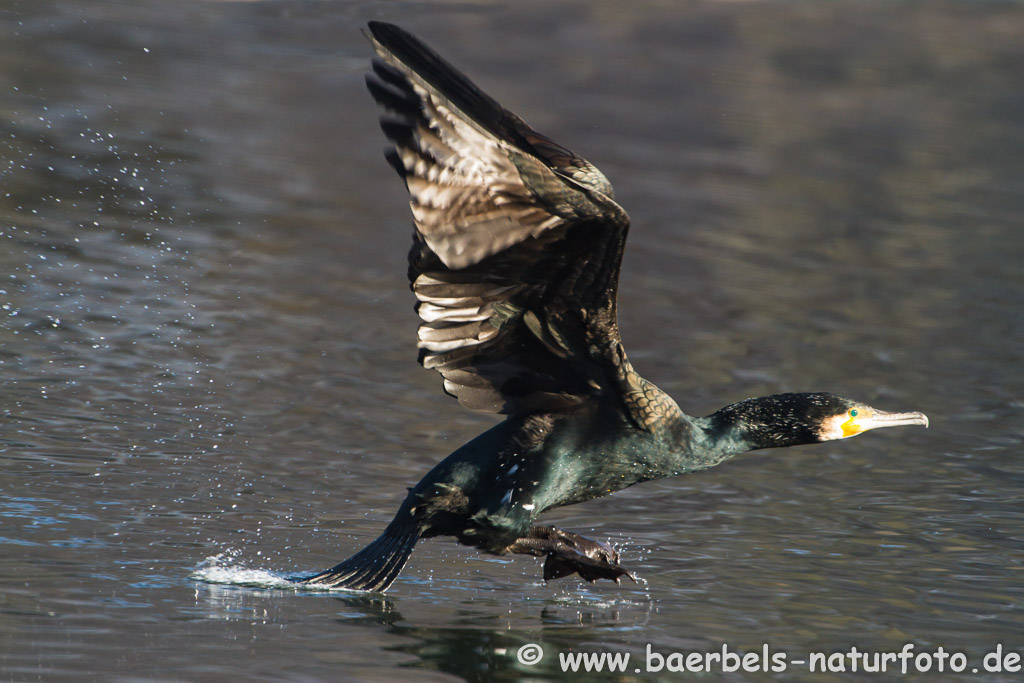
764, 422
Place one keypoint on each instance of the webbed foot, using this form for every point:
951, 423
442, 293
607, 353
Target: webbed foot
569, 553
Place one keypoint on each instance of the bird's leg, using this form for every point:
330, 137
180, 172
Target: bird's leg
568, 553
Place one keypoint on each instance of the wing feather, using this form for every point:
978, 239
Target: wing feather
516, 254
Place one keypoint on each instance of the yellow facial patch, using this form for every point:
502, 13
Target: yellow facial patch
851, 426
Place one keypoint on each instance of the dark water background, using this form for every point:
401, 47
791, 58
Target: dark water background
206, 339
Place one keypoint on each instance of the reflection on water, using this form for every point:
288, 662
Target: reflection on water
206, 340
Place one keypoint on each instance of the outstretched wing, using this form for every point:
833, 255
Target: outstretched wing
515, 258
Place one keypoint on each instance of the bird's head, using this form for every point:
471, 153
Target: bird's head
794, 419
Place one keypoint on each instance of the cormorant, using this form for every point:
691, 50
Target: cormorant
515, 265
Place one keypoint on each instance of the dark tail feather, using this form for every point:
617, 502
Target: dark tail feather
374, 568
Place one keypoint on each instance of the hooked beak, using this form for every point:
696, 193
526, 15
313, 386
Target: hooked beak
874, 419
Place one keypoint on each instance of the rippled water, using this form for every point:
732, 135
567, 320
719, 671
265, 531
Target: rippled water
206, 340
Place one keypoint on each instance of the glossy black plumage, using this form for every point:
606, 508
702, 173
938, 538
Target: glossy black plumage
515, 265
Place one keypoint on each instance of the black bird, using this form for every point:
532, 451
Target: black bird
515, 266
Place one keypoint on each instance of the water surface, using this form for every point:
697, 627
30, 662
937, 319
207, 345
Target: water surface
207, 355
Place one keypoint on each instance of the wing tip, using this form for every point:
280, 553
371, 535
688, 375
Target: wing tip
381, 32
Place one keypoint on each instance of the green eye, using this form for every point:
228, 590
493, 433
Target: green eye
853, 412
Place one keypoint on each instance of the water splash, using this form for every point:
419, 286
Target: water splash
224, 569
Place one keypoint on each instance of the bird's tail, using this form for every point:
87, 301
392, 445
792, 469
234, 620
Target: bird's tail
375, 567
